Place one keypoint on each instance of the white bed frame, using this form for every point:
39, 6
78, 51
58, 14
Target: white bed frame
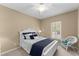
49, 50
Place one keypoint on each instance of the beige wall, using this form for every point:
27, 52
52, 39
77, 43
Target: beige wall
69, 24
78, 22
11, 22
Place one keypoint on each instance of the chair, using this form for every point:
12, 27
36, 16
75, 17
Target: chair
69, 41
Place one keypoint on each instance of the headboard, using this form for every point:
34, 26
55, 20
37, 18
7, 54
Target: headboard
27, 30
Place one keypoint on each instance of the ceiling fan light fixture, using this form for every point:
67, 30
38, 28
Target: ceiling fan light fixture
42, 8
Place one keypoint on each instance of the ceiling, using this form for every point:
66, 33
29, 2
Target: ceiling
53, 8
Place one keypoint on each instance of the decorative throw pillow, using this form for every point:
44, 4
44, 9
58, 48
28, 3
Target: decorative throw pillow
31, 36
65, 42
24, 35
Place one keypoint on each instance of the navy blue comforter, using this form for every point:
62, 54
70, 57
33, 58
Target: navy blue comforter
38, 47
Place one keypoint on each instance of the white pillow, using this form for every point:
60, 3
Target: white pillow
28, 36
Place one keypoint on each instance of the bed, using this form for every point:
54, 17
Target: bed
27, 44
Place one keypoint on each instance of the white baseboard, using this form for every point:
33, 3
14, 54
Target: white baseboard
9, 51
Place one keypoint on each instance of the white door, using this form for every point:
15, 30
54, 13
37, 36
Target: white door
56, 30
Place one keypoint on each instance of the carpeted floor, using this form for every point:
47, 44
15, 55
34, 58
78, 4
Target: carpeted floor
60, 52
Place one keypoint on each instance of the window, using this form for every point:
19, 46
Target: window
56, 29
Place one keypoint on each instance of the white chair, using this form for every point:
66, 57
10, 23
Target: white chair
69, 41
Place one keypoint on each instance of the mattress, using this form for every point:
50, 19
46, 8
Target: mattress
27, 44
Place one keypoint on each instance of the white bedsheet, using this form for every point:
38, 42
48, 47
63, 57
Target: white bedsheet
27, 44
